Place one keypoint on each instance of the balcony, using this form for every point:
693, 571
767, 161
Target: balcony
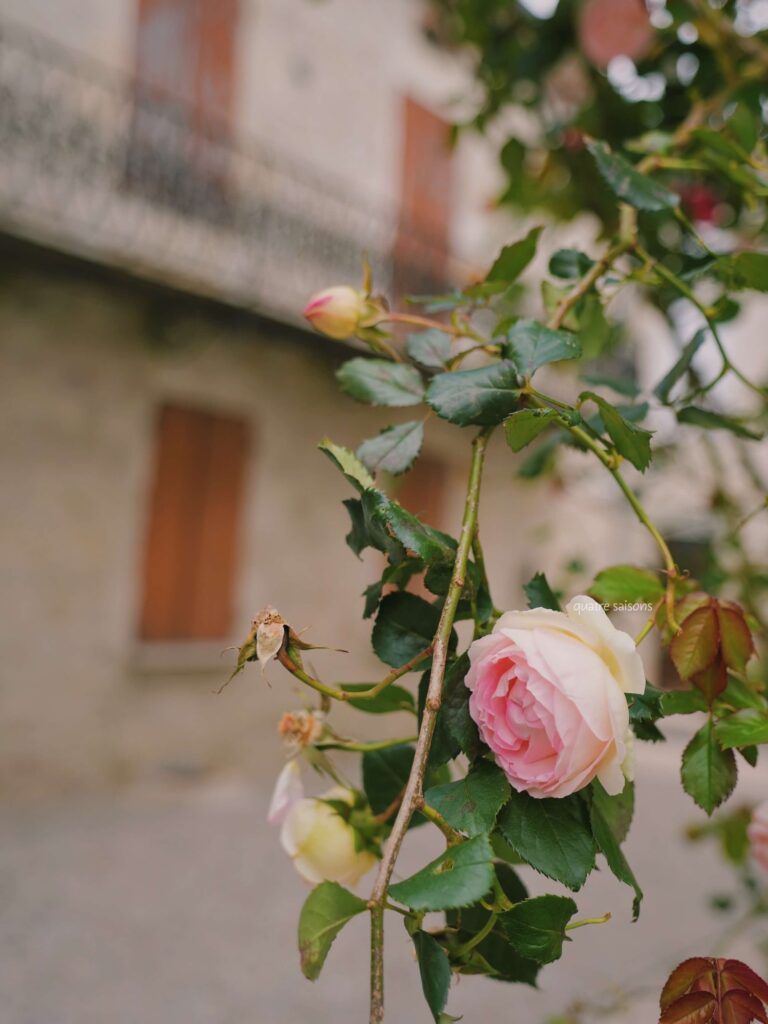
93, 166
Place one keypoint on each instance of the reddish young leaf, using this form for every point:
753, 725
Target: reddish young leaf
737, 973
695, 647
695, 1008
739, 1007
712, 680
689, 604
683, 977
736, 642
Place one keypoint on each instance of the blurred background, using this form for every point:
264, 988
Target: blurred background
176, 178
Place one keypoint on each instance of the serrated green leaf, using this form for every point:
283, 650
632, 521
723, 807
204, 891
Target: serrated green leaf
435, 972
397, 575
553, 836
570, 263
664, 388
325, 912
385, 774
393, 698
454, 719
430, 348
471, 804
405, 626
357, 538
531, 345
743, 729
348, 463
629, 440
381, 382
514, 258
484, 397
432, 545
460, 876
626, 584
744, 270
540, 594
682, 702
524, 426
536, 927
606, 831
626, 386
708, 773
394, 450
696, 417
639, 190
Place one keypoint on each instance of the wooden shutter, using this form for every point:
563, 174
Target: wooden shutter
421, 249
185, 77
191, 547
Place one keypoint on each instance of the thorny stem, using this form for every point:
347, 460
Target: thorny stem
451, 834
335, 693
414, 787
609, 460
363, 746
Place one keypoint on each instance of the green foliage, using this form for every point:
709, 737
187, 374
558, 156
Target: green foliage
349, 464
536, 927
626, 584
483, 397
742, 728
708, 773
645, 709
697, 417
744, 270
630, 185
525, 426
381, 382
430, 348
540, 594
394, 450
460, 876
553, 836
531, 345
664, 388
393, 698
607, 830
514, 258
631, 441
405, 626
389, 517
435, 972
325, 912
570, 264
471, 804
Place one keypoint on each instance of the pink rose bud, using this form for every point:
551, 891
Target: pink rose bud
336, 312
758, 836
548, 696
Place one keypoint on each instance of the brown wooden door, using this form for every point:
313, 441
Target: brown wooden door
191, 552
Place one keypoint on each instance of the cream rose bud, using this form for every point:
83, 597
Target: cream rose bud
322, 845
336, 312
758, 836
548, 696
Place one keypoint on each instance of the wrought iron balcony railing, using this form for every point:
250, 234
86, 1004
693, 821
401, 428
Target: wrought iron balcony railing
92, 164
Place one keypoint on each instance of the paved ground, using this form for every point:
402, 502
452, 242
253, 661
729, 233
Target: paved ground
180, 908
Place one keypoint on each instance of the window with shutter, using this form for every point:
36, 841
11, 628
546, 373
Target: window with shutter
421, 248
191, 552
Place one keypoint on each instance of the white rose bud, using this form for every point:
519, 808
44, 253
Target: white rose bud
322, 844
337, 312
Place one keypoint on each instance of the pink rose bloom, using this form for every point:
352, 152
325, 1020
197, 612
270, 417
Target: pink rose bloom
548, 696
758, 836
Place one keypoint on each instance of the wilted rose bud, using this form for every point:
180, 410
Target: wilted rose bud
337, 312
758, 837
300, 729
322, 845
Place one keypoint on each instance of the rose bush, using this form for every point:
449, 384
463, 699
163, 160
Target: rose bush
548, 696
